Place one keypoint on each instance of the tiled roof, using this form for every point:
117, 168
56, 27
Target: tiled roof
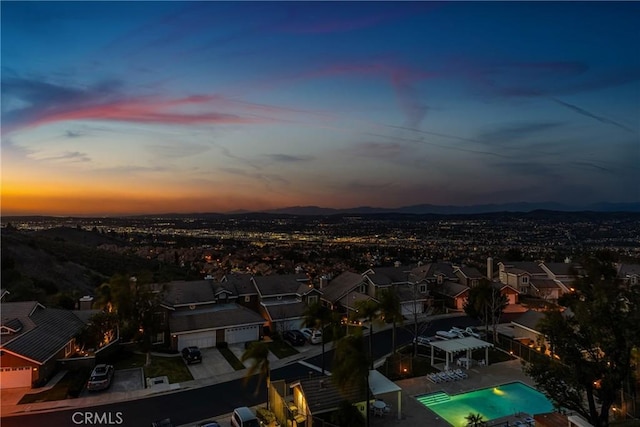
419, 273
406, 293
530, 267
471, 272
213, 317
323, 396
292, 310
388, 275
561, 268
279, 284
350, 299
18, 311
188, 292
240, 283
340, 285
529, 319
451, 289
442, 268
54, 328
544, 283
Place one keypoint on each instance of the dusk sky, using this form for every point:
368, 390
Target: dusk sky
113, 108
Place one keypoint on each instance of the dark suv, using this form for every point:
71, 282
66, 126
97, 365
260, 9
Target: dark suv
294, 337
191, 355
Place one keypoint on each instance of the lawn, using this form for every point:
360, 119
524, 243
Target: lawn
281, 349
69, 386
231, 358
172, 366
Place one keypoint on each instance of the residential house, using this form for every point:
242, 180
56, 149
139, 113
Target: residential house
519, 274
32, 340
305, 399
413, 297
205, 312
525, 328
469, 276
547, 289
454, 294
284, 299
508, 291
242, 286
629, 274
341, 292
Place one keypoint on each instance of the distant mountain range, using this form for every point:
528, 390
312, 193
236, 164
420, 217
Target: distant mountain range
457, 210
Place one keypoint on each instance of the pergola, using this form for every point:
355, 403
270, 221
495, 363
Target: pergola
379, 384
458, 345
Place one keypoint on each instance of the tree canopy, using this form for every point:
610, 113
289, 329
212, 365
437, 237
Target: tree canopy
486, 304
590, 342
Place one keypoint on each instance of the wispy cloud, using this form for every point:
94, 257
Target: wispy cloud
586, 113
69, 156
40, 103
506, 135
377, 149
287, 158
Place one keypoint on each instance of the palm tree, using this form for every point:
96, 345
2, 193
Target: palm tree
370, 310
318, 316
390, 310
259, 353
474, 420
349, 371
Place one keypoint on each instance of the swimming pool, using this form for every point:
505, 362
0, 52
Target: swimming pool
491, 403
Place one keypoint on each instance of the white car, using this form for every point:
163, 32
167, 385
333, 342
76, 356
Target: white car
313, 335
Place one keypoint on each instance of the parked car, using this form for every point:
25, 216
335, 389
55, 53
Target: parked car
162, 423
208, 424
100, 378
294, 337
314, 336
191, 354
244, 417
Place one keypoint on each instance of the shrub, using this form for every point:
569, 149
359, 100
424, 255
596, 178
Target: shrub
265, 415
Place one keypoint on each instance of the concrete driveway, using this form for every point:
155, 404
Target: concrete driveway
213, 364
123, 380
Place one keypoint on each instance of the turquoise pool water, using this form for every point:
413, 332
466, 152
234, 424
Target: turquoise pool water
491, 403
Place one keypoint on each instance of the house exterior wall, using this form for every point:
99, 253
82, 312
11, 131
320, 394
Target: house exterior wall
10, 361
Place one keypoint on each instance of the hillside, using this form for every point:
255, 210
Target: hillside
43, 265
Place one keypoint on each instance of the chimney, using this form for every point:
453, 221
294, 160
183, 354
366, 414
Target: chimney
85, 302
324, 281
490, 268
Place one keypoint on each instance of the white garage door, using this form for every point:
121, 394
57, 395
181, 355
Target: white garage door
242, 334
199, 339
15, 377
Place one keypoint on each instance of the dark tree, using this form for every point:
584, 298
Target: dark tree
591, 343
486, 304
